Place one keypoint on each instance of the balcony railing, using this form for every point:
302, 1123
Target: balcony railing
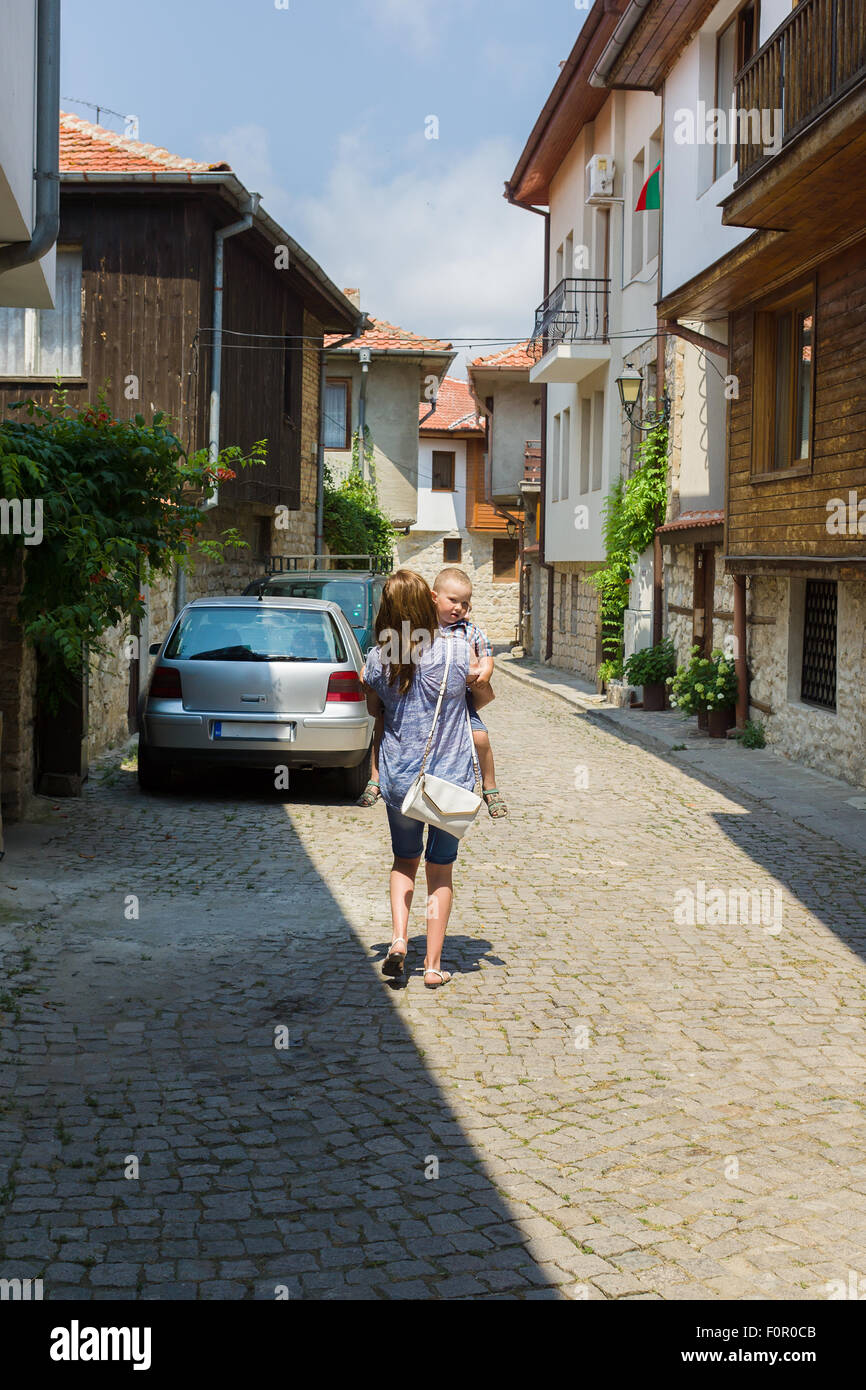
532, 461
811, 60
575, 312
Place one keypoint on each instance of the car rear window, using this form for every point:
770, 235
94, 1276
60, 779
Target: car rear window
350, 596
256, 634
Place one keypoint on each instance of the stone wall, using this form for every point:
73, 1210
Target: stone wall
576, 619
494, 605
679, 579
830, 741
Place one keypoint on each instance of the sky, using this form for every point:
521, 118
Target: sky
324, 107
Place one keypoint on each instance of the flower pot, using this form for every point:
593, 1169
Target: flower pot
654, 696
720, 720
703, 719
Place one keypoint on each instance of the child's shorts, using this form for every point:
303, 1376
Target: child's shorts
475, 721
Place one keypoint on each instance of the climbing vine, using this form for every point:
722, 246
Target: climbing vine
117, 505
635, 506
354, 522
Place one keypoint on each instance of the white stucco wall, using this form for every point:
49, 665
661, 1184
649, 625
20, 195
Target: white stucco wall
628, 123
693, 235
441, 511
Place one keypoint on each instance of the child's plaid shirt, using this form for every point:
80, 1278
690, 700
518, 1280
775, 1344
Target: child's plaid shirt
474, 636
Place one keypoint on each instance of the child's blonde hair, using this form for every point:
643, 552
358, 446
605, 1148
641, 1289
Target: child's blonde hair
451, 572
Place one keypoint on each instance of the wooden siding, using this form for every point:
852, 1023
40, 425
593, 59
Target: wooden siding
147, 287
480, 515
787, 516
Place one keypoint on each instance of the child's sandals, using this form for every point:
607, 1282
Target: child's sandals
370, 794
495, 803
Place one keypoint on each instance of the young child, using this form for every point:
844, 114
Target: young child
452, 595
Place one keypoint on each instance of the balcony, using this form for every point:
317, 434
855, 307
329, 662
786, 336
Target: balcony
801, 104
570, 338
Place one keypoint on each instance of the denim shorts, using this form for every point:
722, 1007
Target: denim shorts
475, 721
407, 839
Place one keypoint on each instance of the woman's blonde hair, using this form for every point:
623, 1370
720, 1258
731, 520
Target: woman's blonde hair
407, 624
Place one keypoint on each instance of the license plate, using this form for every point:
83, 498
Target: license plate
228, 728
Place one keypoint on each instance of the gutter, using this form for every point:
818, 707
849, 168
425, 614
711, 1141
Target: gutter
46, 174
617, 42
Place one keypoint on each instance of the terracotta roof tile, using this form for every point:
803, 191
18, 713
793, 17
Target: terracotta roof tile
85, 147
387, 337
455, 409
686, 520
515, 356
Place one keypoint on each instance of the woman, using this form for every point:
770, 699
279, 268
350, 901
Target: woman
402, 678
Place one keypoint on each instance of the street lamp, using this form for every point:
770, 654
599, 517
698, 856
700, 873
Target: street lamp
511, 528
630, 384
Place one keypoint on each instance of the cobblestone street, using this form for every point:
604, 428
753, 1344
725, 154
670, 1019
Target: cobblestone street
620, 1103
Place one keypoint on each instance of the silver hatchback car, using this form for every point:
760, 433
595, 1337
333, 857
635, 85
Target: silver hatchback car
259, 683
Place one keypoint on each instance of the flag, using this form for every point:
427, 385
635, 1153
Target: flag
650, 194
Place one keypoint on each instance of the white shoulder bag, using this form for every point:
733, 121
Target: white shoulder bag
433, 799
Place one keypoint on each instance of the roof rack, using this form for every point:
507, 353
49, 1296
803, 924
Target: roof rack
312, 564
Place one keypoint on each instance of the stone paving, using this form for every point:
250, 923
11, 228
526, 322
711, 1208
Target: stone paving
638, 1085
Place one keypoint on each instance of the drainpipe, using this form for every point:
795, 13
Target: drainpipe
324, 353
221, 236
47, 201
740, 661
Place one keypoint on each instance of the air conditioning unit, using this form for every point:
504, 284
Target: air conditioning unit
599, 178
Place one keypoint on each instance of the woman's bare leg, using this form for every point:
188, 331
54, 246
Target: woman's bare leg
402, 888
440, 896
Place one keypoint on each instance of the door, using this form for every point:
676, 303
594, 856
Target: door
704, 586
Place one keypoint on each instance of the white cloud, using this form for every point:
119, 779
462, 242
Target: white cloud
412, 20
436, 249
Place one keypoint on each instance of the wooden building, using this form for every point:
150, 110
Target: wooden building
134, 316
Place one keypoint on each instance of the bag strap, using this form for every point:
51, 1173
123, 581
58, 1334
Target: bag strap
475, 764
443, 683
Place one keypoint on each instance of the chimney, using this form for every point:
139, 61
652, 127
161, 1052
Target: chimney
355, 296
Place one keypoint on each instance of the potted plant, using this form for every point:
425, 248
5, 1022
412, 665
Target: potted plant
608, 671
651, 668
688, 687
721, 695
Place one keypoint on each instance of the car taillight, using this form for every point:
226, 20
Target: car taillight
166, 684
344, 685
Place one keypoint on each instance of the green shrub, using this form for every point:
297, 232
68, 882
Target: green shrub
653, 665
753, 734
708, 682
353, 520
610, 671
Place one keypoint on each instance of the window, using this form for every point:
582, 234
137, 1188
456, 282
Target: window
585, 442
43, 342
555, 455
818, 683
735, 45
568, 259
597, 438
559, 264
784, 362
565, 460
638, 178
452, 552
443, 471
505, 556
338, 413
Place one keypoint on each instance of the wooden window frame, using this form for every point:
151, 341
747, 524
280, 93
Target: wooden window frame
443, 453
346, 383
764, 334
501, 578
452, 559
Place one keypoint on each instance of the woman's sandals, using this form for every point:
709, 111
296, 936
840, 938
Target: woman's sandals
443, 977
370, 795
495, 803
395, 960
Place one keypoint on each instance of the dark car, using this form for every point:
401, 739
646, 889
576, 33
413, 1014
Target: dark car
357, 592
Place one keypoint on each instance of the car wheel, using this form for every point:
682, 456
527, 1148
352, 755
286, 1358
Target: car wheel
152, 776
355, 778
